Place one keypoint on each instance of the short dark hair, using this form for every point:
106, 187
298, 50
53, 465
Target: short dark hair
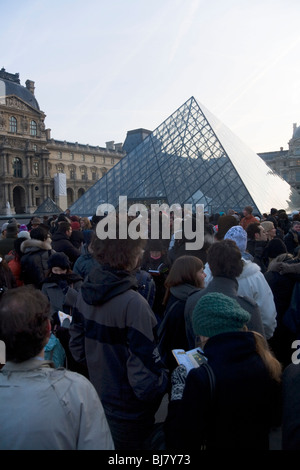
63, 227
225, 259
24, 312
252, 229
39, 233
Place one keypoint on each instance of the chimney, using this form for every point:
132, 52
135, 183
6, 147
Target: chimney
110, 145
30, 86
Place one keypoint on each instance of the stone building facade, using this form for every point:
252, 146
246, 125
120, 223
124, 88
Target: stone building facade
30, 159
287, 162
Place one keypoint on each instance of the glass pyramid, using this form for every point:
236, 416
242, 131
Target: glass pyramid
192, 158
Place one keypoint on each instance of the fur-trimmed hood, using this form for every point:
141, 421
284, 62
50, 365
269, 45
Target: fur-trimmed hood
32, 245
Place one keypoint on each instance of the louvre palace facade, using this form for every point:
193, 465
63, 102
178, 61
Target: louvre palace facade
30, 159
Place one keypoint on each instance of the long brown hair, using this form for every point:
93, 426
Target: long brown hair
272, 364
183, 271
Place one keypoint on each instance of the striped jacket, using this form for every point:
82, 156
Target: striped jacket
113, 332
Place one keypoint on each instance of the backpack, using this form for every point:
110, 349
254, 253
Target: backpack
55, 352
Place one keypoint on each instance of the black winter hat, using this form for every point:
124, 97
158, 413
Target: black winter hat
59, 260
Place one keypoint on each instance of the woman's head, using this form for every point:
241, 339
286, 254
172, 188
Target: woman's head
186, 270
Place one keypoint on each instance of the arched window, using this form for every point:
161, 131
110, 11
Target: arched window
17, 168
12, 124
33, 128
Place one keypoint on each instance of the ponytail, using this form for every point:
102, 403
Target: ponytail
273, 365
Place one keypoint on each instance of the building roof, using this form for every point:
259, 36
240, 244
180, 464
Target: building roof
10, 85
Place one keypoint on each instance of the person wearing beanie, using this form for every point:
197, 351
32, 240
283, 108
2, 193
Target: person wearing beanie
7, 243
239, 236
61, 287
245, 403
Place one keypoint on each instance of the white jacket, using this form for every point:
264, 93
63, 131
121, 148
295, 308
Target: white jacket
252, 283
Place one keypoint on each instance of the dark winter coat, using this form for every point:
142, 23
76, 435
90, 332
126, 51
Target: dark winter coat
61, 243
227, 287
62, 290
291, 240
245, 406
34, 262
172, 332
112, 330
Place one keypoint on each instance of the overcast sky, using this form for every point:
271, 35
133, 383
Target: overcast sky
103, 67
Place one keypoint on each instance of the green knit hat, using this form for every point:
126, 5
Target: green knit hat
216, 313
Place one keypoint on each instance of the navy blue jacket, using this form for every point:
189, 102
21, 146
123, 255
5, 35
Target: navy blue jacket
245, 406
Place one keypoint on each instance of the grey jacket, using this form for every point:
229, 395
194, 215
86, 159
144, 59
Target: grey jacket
227, 287
42, 408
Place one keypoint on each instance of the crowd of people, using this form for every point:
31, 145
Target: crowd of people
89, 326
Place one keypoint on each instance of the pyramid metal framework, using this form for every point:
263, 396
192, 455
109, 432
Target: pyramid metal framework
192, 158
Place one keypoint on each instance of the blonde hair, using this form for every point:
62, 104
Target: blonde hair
272, 364
267, 225
87, 223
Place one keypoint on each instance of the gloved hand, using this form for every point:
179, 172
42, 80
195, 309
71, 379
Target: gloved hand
178, 378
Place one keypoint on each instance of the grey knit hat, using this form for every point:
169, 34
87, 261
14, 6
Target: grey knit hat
216, 313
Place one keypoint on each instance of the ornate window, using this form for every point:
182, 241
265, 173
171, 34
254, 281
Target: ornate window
33, 128
60, 168
83, 172
17, 168
73, 173
12, 124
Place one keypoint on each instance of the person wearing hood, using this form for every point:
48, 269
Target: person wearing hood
186, 276
34, 262
252, 283
113, 332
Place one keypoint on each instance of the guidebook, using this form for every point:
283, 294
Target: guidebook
190, 359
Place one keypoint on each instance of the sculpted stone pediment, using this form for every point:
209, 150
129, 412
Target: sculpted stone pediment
14, 102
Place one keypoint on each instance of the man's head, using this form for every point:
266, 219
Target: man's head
296, 226
247, 210
256, 232
225, 259
119, 253
24, 323
65, 227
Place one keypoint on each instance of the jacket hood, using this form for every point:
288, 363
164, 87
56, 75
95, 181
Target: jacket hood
31, 245
182, 291
104, 283
250, 268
